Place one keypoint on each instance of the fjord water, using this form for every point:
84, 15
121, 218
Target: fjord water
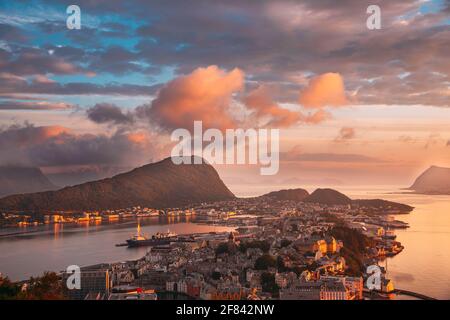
423, 266
55, 247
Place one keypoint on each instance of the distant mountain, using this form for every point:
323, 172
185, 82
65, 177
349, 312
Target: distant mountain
435, 180
383, 205
333, 197
311, 181
15, 180
289, 194
159, 185
79, 176
329, 197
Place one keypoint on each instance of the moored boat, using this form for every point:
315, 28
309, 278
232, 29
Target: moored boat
160, 238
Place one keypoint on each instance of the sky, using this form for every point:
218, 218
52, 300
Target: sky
354, 106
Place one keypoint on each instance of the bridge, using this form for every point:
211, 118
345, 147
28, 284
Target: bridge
401, 291
413, 294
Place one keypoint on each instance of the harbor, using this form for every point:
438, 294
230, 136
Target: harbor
165, 238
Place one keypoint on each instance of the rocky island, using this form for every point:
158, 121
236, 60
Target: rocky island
435, 180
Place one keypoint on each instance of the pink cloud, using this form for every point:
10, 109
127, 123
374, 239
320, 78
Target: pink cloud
205, 94
261, 102
34, 105
324, 90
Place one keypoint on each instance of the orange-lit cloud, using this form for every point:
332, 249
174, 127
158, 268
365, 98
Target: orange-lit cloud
39, 78
16, 137
138, 137
260, 101
346, 133
204, 94
41, 134
324, 90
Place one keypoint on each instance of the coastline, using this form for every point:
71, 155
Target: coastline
396, 271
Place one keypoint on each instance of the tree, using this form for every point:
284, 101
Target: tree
355, 245
216, 275
8, 290
353, 262
46, 287
280, 264
263, 245
353, 240
222, 248
285, 243
265, 261
313, 266
299, 270
268, 283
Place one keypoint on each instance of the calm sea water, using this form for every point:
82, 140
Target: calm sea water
424, 265
54, 247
